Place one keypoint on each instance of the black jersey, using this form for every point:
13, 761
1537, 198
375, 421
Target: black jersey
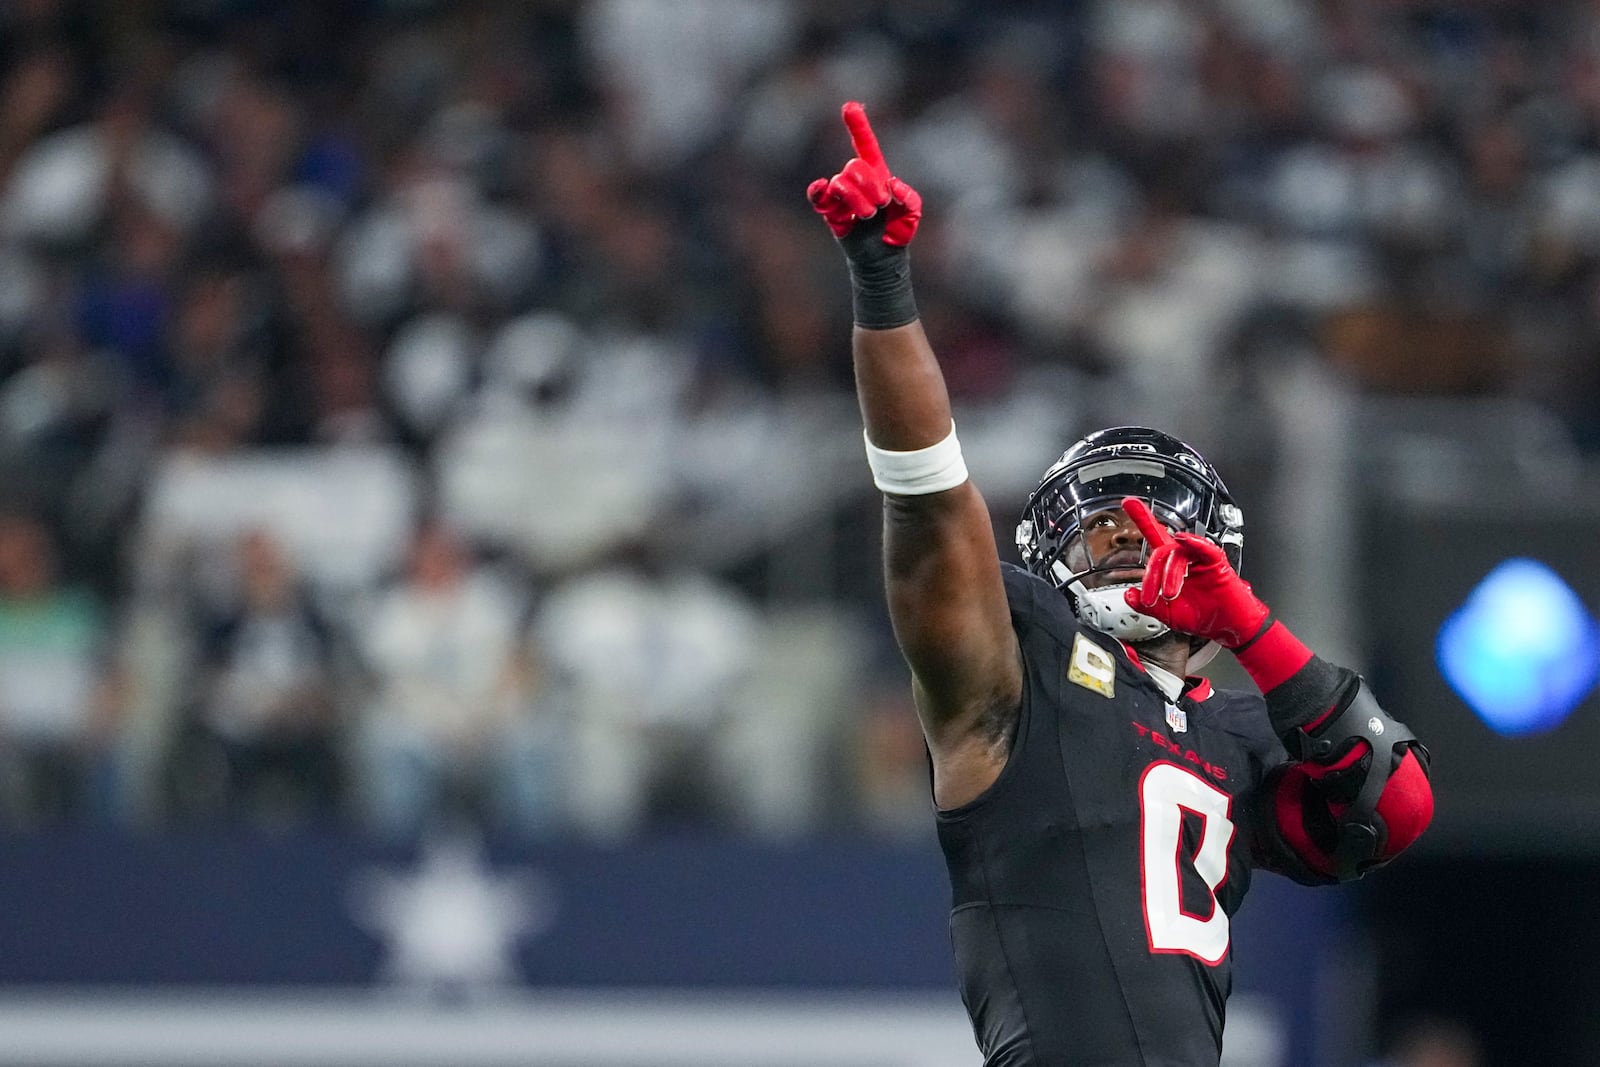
1094, 880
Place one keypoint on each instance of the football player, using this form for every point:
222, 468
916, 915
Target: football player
1100, 807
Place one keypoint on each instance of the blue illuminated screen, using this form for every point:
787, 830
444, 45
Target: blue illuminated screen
1522, 651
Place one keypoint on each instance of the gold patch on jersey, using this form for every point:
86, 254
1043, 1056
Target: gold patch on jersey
1092, 667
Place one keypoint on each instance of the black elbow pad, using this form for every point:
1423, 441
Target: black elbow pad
1361, 834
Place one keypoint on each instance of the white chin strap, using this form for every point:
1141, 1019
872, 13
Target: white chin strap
1106, 609
1207, 653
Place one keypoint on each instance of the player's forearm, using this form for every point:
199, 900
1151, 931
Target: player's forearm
901, 389
1300, 687
904, 403
943, 583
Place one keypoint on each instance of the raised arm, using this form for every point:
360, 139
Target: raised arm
946, 597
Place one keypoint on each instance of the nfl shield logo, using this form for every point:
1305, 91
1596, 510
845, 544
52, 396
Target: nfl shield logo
1178, 719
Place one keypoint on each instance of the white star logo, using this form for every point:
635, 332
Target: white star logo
453, 924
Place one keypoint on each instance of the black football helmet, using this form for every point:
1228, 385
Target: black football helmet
1183, 490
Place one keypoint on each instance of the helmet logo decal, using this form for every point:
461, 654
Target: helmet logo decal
1126, 446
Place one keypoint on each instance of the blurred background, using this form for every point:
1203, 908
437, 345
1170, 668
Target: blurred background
439, 605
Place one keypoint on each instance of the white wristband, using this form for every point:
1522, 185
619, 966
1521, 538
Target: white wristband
926, 470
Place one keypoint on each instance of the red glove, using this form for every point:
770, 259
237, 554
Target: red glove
1190, 585
863, 187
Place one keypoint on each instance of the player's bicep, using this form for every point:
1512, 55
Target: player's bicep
947, 601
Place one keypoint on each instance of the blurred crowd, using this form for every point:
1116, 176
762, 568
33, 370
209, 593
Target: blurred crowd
414, 410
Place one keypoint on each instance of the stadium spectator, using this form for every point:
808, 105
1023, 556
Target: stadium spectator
651, 658
59, 693
456, 723
263, 703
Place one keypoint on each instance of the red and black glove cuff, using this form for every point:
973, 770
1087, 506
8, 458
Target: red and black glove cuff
1300, 687
880, 276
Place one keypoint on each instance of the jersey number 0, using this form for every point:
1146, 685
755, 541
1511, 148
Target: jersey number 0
1166, 791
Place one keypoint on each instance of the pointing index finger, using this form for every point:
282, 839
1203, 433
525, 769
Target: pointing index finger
1154, 533
862, 137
